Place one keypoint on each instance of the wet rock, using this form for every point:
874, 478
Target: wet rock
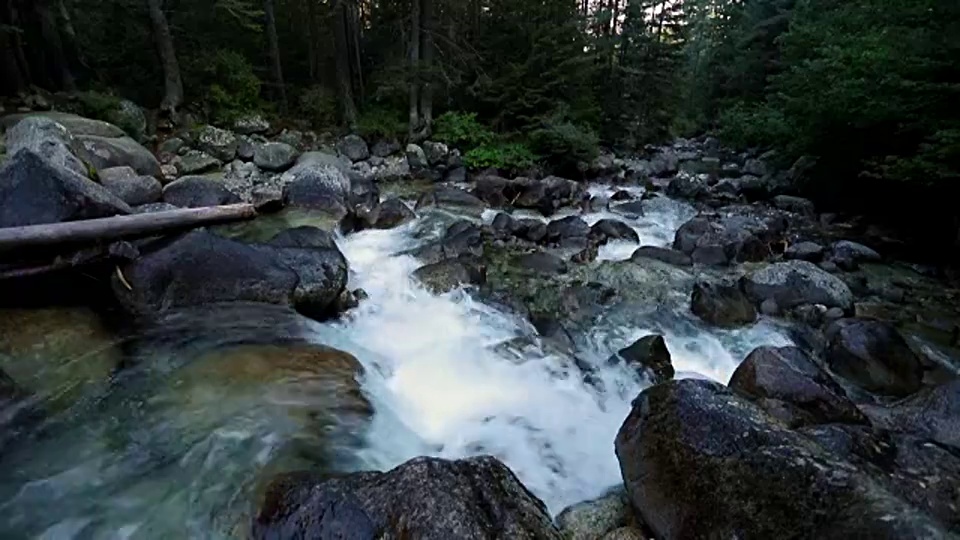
924, 473
250, 124
586, 255
591, 520
794, 283
570, 231
932, 413
392, 213
274, 156
530, 229
49, 140
216, 142
829, 266
426, 498
448, 274
722, 305
448, 197
129, 187
33, 191
612, 229
804, 251
456, 175
171, 146
797, 205
198, 192
436, 152
195, 162
267, 199
320, 159
461, 238
394, 168
650, 357
685, 187
354, 147
298, 269
541, 263
316, 184
667, 255
719, 243
74, 124
789, 386
755, 167
626, 533
546, 195
385, 148
664, 163
873, 355
769, 307
416, 157
699, 461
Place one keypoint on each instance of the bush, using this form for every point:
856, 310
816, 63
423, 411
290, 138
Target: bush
744, 126
381, 122
232, 88
564, 144
318, 106
507, 156
462, 130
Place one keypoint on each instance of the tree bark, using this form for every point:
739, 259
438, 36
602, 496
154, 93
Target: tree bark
273, 44
13, 19
342, 53
118, 227
426, 68
12, 80
49, 29
413, 125
173, 83
312, 46
355, 26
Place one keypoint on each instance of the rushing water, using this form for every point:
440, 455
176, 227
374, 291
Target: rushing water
176, 450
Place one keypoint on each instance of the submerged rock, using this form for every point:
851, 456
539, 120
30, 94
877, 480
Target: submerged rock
699, 461
722, 305
650, 357
448, 274
667, 255
873, 355
612, 229
426, 498
787, 384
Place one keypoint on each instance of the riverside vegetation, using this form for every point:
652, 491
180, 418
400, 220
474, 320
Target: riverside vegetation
653, 270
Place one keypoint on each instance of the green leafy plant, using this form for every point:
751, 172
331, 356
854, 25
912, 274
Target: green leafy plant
462, 130
564, 144
318, 105
508, 156
232, 88
744, 125
381, 122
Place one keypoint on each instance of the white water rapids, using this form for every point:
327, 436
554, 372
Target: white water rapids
176, 449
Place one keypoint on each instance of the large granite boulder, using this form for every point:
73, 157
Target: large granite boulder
721, 242
49, 140
34, 190
444, 276
450, 198
354, 148
722, 305
316, 184
700, 462
274, 156
426, 498
198, 192
592, 520
793, 283
873, 355
649, 357
107, 152
219, 143
932, 414
546, 195
130, 187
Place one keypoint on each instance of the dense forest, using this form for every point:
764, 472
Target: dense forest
867, 87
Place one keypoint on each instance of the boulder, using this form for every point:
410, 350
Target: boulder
364, 196
612, 229
247, 148
667, 255
700, 462
449, 197
545, 195
540, 262
804, 251
130, 187
461, 238
455, 175
301, 268
130, 115
425, 498
49, 140
626, 533
171, 146
392, 213
686, 187
341, 163
755, 167
385, 148
665, 163
315, 183
722, 305
74, 124
436, 152
649, 357
591, 520
793, 283
154, 207
274, 156
787, 384
33, 190
393, 168
120, 151
797, 205
250, 124
932, 414
448, 274
216, 142
720, 242
845, 250
416, 157
198, 192
873, 355
530, 229
354, 148
195, 162
571, 231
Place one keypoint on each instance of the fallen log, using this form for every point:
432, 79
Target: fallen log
120, 227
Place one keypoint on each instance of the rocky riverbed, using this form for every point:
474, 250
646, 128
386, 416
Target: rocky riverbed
674, 345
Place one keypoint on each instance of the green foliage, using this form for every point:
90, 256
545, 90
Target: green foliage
231, 88
506, 156
750, 125
97, 105
381, 122
318, 105
462, 130
564, 144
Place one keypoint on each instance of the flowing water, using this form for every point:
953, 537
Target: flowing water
177, 448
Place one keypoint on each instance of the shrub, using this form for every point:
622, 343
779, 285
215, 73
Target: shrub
462, 130
743, 126
381, 122
508, 156
319, 106
232, 88
564, 144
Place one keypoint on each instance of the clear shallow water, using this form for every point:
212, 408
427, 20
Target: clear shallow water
177, 450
